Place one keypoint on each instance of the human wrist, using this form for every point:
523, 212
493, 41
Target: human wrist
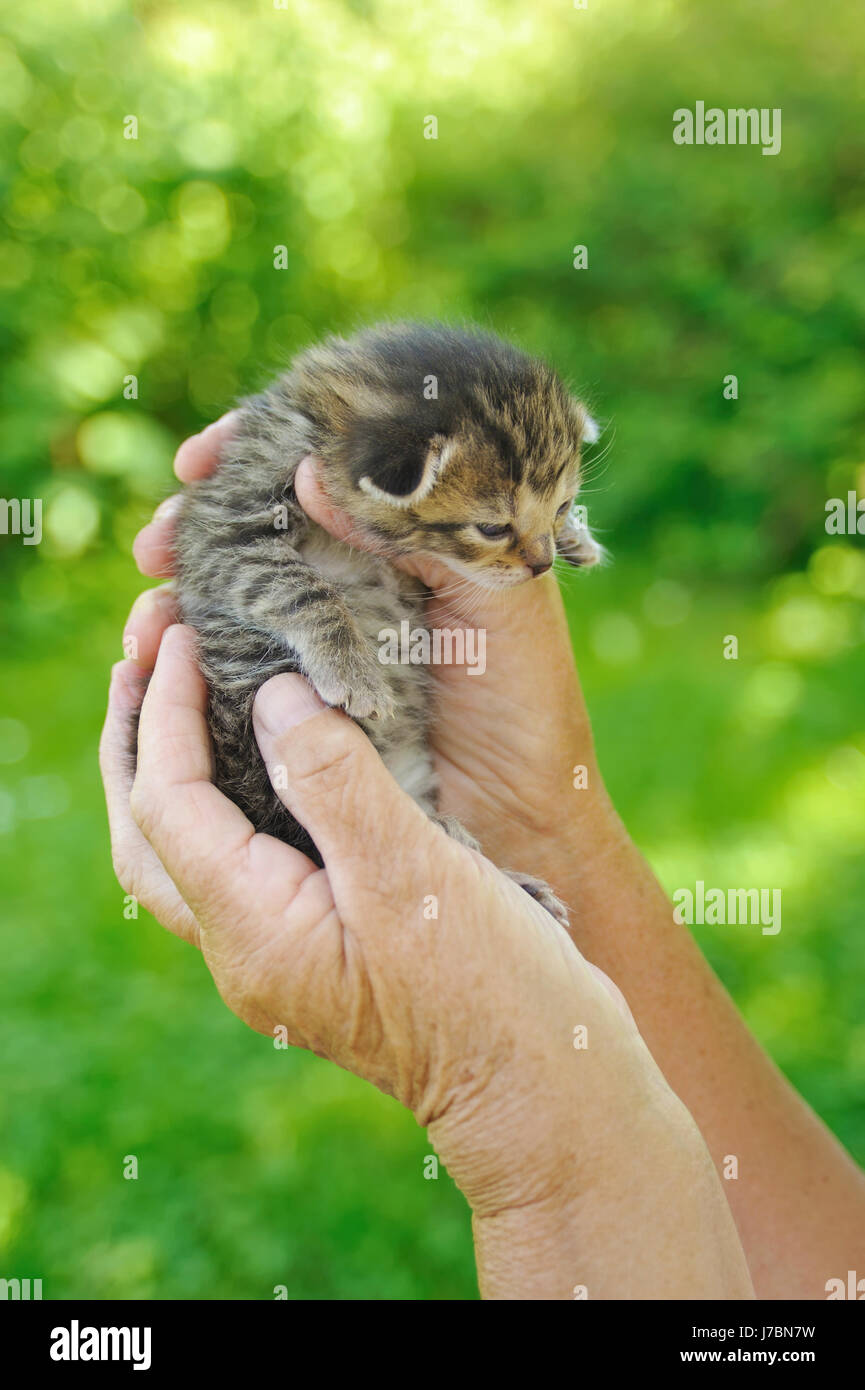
660, 1229
644, 1219
531, 1252
513, 1152
546, 1123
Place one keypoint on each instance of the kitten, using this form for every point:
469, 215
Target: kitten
432, 439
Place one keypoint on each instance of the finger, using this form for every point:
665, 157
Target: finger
311, 494
198, 456
153, 547
152, 612
200, 836
326, 771
135, 863
189, 824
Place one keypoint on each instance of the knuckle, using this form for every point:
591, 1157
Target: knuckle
143, 806
122, 869
332, 770
127, 866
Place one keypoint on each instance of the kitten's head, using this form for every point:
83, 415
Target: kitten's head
452, 443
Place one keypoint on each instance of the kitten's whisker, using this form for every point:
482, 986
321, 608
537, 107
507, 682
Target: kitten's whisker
458, 587
474, 595
477, 596
455, 613
590, 469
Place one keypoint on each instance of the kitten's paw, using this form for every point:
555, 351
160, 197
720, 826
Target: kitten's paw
577, 545
543, 894
353, 682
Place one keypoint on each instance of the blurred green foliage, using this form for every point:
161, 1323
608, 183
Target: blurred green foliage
153, 258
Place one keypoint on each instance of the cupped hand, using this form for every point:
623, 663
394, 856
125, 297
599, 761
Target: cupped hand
412, 962
508, 743
420, 968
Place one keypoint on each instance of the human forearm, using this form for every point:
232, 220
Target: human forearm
649, 1222
798, 1199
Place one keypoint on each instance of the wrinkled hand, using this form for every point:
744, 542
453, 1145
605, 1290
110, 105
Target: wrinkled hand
505, 743
410, 960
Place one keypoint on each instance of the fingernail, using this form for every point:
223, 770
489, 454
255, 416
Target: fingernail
168, 508
284, 702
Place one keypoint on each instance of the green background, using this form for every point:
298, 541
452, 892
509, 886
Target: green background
153, 257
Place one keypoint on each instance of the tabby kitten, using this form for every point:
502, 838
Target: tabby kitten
432, 439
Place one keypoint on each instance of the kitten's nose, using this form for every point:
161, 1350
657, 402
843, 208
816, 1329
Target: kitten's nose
538, 555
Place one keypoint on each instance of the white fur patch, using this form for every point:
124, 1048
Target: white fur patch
411, 768
591, 429
337, 562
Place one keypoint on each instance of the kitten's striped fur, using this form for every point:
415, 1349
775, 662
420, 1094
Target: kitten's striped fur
496, 441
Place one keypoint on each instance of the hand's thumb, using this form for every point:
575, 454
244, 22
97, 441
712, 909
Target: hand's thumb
325, 770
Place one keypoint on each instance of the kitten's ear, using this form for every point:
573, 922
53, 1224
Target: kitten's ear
576, 544
402, 472
590, 431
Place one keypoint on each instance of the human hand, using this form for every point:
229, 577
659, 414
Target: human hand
465, 1013
505, 744
345, 959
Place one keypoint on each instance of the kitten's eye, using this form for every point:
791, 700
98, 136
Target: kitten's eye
566, 506
492, 531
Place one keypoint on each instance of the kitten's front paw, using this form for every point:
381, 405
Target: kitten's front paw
577, 545
543, 894
352, 681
